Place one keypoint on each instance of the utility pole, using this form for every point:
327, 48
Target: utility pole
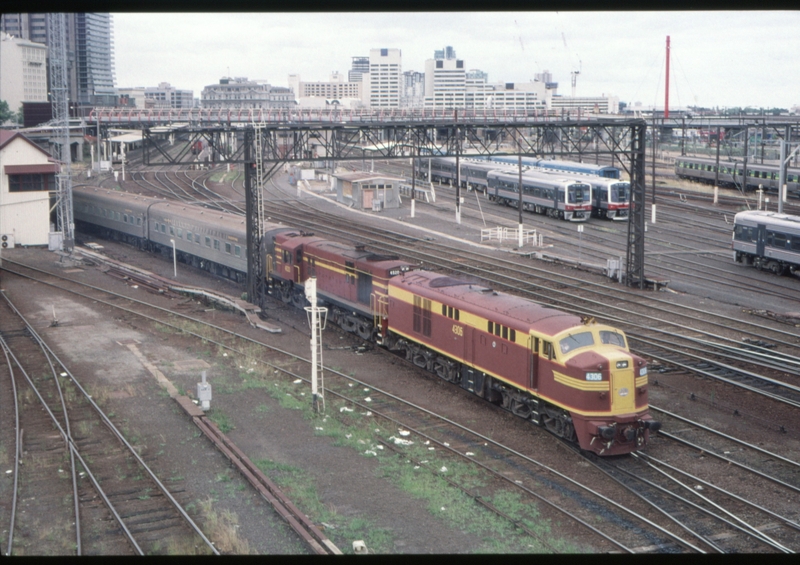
59, 99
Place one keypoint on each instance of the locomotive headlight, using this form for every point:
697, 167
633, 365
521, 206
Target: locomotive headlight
642, 371
594, 376
622, 364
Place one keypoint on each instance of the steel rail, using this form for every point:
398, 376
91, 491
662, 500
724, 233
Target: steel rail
792, 524
730, 461
711, 375
17, 447
743, 526
73, 449
726, 436
114, 430
691, 504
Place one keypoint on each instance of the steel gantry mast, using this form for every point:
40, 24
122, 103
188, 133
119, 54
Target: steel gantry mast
59, 98
634, 264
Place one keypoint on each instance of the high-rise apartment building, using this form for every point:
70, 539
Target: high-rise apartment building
445, 83
360, 66
90, 51
385, 78
23, 71
413, 94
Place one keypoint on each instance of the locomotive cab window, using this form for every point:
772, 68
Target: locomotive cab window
612, 338
547, 350
576, 341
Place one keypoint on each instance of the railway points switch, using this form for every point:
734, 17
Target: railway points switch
204, 393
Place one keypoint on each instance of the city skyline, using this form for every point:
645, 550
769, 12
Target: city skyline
718, 59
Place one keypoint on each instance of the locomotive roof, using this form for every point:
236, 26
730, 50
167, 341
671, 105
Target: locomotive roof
356, 253
559, 178
483, 301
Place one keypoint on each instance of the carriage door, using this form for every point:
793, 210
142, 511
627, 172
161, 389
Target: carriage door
762, 238
364, 287
533, 370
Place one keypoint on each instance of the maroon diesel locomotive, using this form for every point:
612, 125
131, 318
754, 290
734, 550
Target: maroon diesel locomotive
576, 378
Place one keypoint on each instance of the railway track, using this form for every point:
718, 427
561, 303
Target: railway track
445, 438
148, 517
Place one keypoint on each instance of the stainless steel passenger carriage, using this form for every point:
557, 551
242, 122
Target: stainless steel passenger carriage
767, 240
564, 198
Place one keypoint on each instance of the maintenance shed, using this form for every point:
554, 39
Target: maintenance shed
367, 191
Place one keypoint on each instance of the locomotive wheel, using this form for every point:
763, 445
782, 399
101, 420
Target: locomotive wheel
775, 267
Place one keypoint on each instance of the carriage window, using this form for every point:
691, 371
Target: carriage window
237, 251
138, 221
125, 218
189, 236
795, 243
227, 247
778, 240
197, 238
180, 232
171, 230
163, 228
208, 241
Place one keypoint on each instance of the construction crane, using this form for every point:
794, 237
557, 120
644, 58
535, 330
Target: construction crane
574, 81
59, 99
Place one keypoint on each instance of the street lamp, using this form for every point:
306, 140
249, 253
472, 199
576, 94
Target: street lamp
174, 258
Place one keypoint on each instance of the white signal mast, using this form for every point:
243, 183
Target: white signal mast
317, 316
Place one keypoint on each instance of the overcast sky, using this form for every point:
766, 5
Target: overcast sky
718, 58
